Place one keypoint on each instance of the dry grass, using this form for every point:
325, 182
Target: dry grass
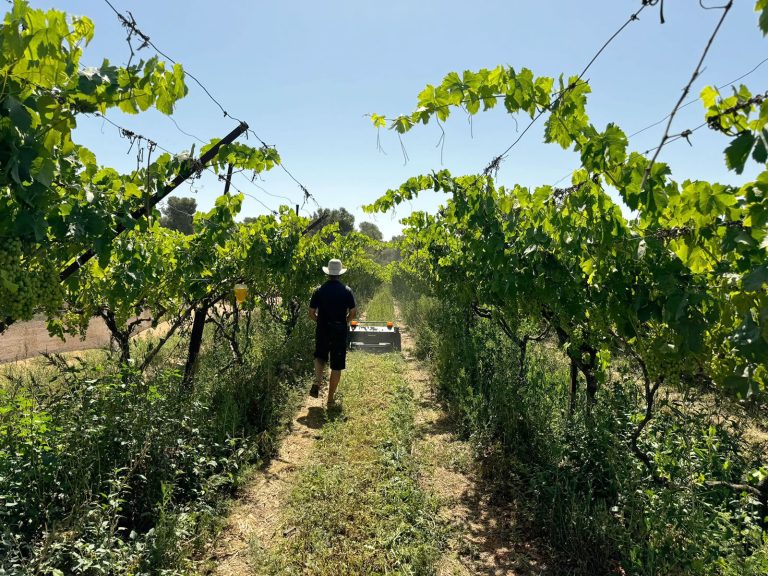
487, 534
256, 515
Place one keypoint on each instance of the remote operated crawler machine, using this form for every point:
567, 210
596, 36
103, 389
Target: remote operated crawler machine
374, 336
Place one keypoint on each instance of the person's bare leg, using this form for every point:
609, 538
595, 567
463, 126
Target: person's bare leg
319, 373
332, 384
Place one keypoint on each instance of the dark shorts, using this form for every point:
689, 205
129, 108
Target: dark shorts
331, 342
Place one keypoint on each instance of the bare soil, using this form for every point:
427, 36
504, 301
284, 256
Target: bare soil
28, 339
488, 535
255, 516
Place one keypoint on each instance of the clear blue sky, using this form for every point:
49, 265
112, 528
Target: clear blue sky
304, 73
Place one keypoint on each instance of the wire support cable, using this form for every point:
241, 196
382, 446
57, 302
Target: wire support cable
495, 163
130, 24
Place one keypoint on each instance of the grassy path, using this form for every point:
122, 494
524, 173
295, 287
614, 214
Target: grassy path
380, 486
256, 514
357, 507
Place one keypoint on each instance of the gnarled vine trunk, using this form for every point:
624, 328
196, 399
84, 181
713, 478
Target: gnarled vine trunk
195, 342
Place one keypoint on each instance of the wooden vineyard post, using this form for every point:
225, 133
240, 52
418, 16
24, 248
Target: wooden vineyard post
228, 181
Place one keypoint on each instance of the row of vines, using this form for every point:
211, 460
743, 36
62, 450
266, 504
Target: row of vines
115, 465
672, 302
112, 468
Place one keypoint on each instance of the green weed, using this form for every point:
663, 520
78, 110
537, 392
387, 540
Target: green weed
381, 307
583, 488
107, 471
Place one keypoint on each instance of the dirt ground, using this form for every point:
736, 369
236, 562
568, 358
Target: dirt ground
487, 536
255, 515
28, 339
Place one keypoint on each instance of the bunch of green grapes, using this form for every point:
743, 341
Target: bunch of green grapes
664, 360
577, 337
27, 285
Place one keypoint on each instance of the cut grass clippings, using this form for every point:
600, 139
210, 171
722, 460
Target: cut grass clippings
357, 508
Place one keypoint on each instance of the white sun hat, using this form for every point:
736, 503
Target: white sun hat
334, 268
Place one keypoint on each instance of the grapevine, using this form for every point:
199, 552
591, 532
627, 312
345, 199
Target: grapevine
662, 283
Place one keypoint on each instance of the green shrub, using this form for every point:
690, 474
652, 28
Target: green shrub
106, 471
583, 488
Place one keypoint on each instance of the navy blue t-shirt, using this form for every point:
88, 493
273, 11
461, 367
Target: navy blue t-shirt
332, 300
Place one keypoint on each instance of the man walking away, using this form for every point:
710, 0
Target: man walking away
333, 307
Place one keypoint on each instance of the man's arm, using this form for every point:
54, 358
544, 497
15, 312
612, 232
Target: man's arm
314, 304
351, 306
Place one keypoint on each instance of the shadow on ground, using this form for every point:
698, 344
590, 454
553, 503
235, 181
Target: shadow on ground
498, 542
315, 418
493, 538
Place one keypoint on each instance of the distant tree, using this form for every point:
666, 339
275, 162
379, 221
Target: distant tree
390, 252
340, 216
178, 213
250, 219
371, 230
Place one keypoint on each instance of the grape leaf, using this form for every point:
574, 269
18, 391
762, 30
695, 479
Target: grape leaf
762, 8
738, 150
